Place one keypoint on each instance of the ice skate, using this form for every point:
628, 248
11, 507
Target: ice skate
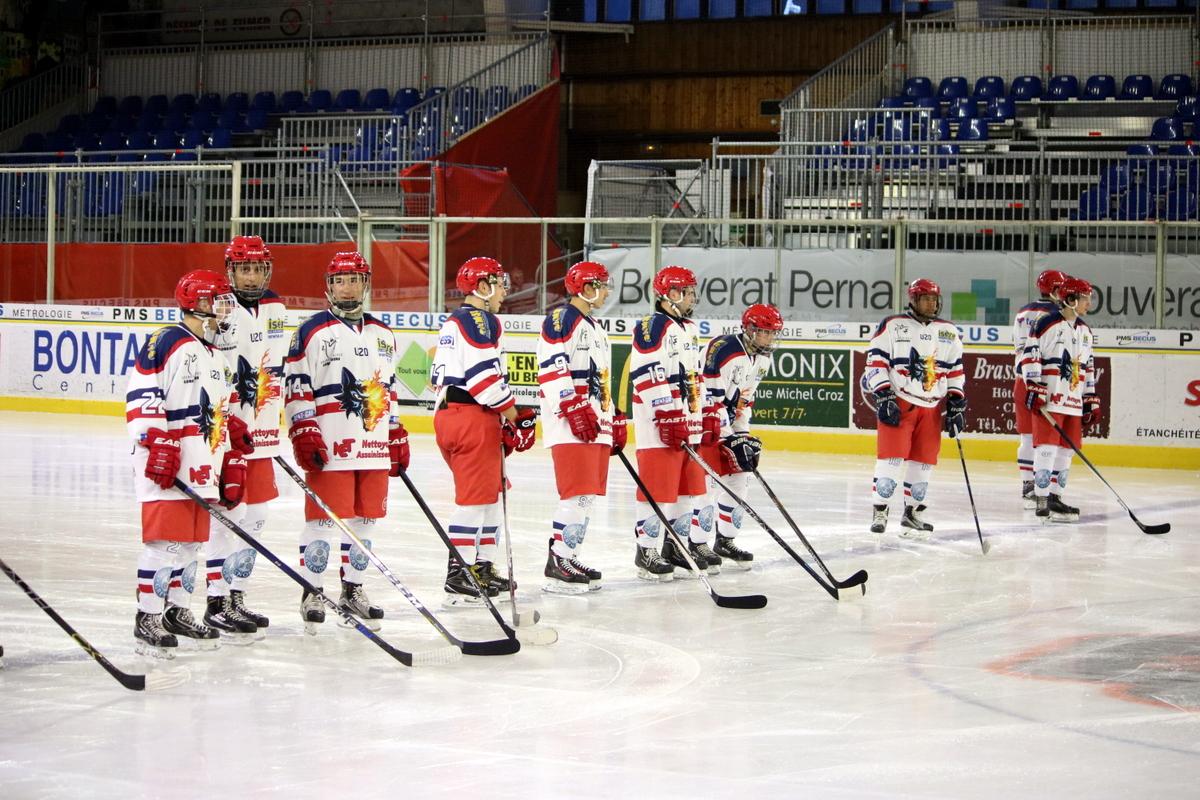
354, 599
562, 576
674, 556
312, 611
220, 615
150, 638
1043, 509
727, 549
912, 526
239, 605
594, 576
879, 517
459, 588
651, 566
486, 572
1028, 499
704, 557
179, 621
1060, 511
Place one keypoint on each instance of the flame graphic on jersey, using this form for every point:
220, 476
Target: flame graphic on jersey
368, 401
266, 385
605, 390
923, 369
693, 391
211, 421
1070, 371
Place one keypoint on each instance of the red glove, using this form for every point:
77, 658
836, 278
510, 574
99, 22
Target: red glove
1091, 409
163, 464
239, 436
308, 445
672, 428
620, 434
233, 478
710, 424
1036, 396
398, 450
519, 435
580, 415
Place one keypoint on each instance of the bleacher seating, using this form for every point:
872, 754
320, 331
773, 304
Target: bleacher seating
1136, 87
1100, 87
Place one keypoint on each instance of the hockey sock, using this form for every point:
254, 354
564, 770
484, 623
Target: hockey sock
702, 518
220, 546
254, 520
465, 523
887, 479
570, 524
354, 559
680, 514
649, 526
1043, 467
916, 482
729, 513
183, 576
489, 533
1025, 457
1062, 468
314, 550
154, 575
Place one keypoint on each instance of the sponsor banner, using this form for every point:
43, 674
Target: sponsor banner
806, 387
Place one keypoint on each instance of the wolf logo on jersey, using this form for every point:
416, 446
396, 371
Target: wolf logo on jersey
922, 369
369, 401
255, 387
211, 421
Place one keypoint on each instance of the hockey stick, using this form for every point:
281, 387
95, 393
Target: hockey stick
971, 496
537, 636
519, 619
724, 601
1153, 530
135, 683
857, 579
832, 590
498, 647
441, 655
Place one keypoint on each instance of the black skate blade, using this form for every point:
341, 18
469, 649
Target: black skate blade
496, 647
740, 601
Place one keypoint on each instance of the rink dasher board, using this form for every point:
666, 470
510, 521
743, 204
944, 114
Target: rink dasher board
74, 359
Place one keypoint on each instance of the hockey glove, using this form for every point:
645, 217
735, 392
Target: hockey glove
886, 407
163, 463
710, 424
239, 436
956, 406
1035, 397
741, 451
398, 450
579, 414
620, 434
520, 435
1091, 409
233, 479
672, 428
308, 445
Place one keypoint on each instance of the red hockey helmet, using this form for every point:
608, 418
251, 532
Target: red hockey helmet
1075, 286
1049, 280
201, 284
923, 286
350, 263
246, 248
672, 277
480, 268
762, 317
584, 273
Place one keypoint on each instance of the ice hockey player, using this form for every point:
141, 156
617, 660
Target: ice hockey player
177, 410
914, 360
580, 421
666, 373
1048, 283
476, 417
340, 403
1061, 378
254, 343
734, 364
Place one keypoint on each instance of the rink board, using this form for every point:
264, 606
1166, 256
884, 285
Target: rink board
74, 359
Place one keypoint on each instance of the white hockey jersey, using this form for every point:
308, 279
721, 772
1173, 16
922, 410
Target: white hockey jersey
255, 345
470, 359
1059, 356
1023, 323
180, 384
731, 378
343, 375
665, 372
574, 358
920, 361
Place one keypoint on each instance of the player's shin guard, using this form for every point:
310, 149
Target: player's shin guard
698, 533
219, 547
489, 535
1025, 458
463, 529
651, 566
887, 480
183, 575
354, 559
314, 550
1043, 469
253, 521
570, 528
154, 569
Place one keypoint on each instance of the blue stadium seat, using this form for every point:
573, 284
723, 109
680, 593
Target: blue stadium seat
1063, 87
107, 105
1094, 204
951, 88
256, 120
192, 139
973, 130
408, 97
1186, 109
1166, 129
1136, 87
861, 130
831, 6
962, 108
939, 130
526, 89
221, 137
1026, 87
175, 120
376, 99
988, 87
158, 104
210, 102
58, 141
95, 123
1159, 178
1180, 205
320, 100
891, 102
432, 92
897, 127
947, 155
166, 139
292, 102
1189, 149
86, 141
494, 100
103, 193
230, 118
149, 122
1000, 109
112, 140
185, 102
464, 97
236, 101
1100, 87
917, 87
139, 140
1174, 86
347, 100
131, 105
202, 121
1136, 204
122, 123
264, 101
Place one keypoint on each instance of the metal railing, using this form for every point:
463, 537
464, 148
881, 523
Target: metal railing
32, 96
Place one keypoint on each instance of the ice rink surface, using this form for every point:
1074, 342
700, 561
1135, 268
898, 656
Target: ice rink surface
1066, 663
